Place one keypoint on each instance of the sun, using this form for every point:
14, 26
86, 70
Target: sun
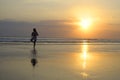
85, 23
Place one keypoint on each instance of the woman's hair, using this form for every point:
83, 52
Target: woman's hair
34, 29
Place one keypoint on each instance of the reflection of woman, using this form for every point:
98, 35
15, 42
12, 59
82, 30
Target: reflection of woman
34, 36
34, 59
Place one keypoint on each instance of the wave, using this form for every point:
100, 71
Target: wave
57, 40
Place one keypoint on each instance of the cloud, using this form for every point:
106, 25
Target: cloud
47, 28
55, 29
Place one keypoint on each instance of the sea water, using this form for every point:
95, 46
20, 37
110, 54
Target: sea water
59, 59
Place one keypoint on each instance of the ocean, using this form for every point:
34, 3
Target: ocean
59, 59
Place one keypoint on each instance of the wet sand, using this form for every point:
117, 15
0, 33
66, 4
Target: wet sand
59, 62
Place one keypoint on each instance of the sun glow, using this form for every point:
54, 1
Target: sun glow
85, 23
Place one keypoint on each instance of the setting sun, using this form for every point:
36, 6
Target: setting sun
85, 23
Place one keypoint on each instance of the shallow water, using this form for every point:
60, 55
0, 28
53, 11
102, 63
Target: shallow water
59, 62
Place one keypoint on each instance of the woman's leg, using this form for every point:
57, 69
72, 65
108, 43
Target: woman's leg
34, 42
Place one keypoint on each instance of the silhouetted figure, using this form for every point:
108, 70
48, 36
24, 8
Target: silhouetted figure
34, 57
34, 37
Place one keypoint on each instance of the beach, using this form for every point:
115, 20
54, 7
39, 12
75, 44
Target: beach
20, 61
59, 40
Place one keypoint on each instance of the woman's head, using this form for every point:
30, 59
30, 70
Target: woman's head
34, 29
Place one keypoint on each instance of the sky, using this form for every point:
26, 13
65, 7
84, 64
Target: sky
59, 18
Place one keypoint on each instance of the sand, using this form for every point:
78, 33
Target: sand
19, 61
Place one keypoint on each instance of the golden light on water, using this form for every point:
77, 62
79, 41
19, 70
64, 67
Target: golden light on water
84, 58
84, 51
85, 75
84, 55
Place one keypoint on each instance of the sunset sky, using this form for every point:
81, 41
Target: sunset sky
60, 18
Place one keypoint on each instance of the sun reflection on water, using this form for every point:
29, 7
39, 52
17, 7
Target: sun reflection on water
84, 56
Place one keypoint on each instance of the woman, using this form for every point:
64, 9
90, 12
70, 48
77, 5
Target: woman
34, 36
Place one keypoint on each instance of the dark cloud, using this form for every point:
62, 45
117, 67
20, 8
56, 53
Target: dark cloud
49, 28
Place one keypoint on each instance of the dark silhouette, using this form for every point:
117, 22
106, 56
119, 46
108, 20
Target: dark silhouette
34, 57
34, 36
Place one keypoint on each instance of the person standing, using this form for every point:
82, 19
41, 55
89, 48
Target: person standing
34, 35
